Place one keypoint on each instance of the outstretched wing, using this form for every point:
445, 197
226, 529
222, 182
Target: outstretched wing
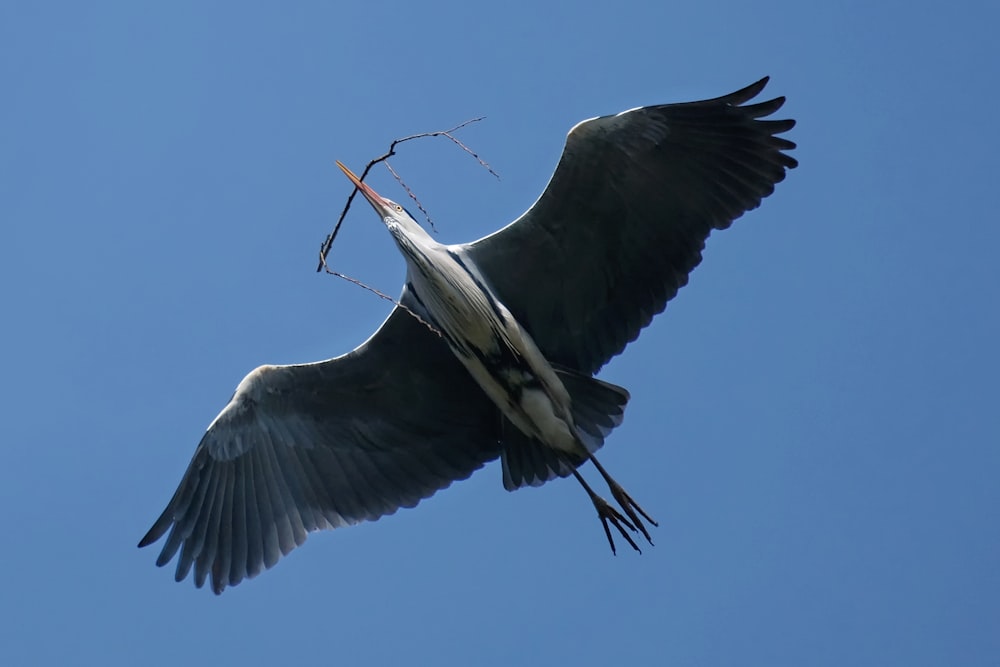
625, 217
322, 445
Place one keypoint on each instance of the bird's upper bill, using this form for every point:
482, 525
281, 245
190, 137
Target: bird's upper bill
379, 203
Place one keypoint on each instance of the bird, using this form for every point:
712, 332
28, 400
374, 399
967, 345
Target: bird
491, 351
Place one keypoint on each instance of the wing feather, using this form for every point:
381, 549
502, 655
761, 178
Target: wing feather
625, 217
238, 565
314, 446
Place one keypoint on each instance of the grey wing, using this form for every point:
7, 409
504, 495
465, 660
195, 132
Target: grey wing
625, 217
313, 446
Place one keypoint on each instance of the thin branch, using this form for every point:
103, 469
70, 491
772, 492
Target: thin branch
382, 295
412, 196
325, 248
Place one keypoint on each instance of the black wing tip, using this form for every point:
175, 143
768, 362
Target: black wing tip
158, 530
737, 100
746, 94
219, 582
754, 88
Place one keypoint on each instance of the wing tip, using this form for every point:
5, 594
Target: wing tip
158, 530
747, 93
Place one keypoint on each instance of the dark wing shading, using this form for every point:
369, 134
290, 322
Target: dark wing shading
625, 217
314, 446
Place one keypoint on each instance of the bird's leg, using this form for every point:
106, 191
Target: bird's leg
608, 513
625, 500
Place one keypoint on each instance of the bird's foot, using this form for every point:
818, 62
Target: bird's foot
609, 514
631, 508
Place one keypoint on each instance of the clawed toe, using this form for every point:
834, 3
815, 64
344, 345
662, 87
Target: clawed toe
609, 514
628, 505
631, 507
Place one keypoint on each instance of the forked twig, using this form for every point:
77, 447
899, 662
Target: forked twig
328, 243
325, 248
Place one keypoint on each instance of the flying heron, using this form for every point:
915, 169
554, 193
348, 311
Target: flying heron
492, 350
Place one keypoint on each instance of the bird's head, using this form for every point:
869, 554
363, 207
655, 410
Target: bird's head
395, 216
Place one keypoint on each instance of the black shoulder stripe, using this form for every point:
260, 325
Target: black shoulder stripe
416, 296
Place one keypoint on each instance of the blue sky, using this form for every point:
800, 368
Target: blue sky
814, 419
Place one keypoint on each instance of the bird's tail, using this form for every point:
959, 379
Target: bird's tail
598, 407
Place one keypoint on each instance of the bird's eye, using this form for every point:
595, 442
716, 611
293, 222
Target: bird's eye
399, 209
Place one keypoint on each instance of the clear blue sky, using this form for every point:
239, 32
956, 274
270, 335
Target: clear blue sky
814, 419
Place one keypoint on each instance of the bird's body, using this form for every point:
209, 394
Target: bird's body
492, 350
486, 338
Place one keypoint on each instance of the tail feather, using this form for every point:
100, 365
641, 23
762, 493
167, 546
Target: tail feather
597, 406
527, 462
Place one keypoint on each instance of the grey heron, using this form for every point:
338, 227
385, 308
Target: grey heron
500, 363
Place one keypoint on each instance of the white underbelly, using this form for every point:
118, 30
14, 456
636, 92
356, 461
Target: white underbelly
534, 413
540, 410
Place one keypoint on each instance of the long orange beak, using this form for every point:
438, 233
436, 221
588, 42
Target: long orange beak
375, 199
